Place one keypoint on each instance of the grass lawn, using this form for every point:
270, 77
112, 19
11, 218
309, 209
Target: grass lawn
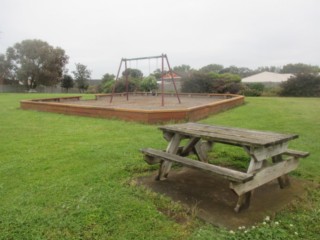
69, 177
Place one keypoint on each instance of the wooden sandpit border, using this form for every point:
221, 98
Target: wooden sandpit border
61, 105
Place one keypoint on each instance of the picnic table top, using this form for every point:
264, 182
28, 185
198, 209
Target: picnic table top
229, 135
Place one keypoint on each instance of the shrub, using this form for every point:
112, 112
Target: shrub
120, 85
251, 92
93, 89
272, 91
303, 85
253, 89
199, 82
256, 86
148, 84
107, 86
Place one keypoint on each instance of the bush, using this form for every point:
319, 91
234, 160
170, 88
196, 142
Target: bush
253, 89
303, 85
251, 92
93, 89
256, 86
148, 84
108, 86
197, 83
211, 82
133, 85
272, 91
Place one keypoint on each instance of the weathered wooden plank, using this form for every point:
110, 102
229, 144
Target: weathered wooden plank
243, 202
254, 165
201, 150
189, 146
173, 147
168, 136
262, 153
265, 175
229, 174
229, 135
230, 130
151, 160
284, 179
296, 153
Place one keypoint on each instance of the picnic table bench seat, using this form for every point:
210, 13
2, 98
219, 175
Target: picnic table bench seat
153, 156
296, 153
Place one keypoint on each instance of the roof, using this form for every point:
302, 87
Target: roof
267, 77
168, 76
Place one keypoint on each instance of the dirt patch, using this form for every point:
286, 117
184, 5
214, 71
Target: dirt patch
210, 198
149, 102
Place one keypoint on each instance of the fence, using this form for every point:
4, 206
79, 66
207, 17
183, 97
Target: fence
40, 89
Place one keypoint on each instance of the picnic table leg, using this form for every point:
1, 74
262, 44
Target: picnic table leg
189, 147
201, 150
284, 179
166, 165
244, 199
243, 202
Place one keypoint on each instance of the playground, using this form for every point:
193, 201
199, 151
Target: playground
139, 107
70, 177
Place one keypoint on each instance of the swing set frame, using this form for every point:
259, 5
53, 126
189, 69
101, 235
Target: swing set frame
163, 58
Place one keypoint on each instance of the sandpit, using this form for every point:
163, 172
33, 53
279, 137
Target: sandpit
140, 107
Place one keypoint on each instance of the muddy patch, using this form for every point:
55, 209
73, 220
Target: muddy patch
211, 200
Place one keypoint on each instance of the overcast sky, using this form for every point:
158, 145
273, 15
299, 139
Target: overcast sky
98, 33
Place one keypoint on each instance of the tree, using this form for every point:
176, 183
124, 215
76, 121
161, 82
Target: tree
108, 86
107, 77
267, 69
6, 68
211, 68
107, 83
183, 70
148, 84
157, 73
242, 71
298, 68
200, 82
120, 86
35, 62
67, 82
197, 82
133, 73
82, 76
227, 77
303, 85
225, 83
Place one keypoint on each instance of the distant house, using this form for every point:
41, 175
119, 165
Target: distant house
267, 77
168, 84
168, 76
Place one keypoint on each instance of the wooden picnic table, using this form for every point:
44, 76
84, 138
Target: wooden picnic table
259, 145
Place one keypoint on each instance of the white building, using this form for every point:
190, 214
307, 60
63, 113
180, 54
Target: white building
267, 77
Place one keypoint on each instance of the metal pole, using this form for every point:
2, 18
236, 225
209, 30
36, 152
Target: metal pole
127, 84
171, 74
114, 86
162, 84
141, 58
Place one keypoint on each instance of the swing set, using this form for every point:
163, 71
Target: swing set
129, 60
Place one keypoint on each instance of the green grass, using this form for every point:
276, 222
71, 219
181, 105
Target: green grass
69, 177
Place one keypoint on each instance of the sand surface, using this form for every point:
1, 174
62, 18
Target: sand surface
149, 102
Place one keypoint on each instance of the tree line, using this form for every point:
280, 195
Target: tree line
35, 62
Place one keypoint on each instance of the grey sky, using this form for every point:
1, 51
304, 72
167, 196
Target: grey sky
97, 33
